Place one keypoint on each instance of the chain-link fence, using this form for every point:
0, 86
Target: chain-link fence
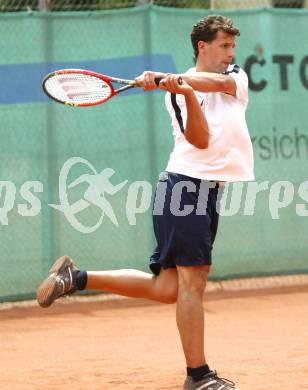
83, 5
63, 5
227, 4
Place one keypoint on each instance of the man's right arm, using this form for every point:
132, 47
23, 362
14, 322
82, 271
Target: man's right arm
196, 130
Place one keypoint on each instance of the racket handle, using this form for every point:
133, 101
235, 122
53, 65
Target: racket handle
158, 80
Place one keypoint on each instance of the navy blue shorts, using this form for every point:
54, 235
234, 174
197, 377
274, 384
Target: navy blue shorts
185, 221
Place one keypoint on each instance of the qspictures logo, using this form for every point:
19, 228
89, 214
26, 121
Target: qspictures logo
100, 188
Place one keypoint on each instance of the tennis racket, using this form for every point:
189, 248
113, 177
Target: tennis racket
84, 88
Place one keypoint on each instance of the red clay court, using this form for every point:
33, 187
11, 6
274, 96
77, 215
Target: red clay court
256, 338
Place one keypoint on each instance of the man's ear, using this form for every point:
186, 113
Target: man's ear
202, 46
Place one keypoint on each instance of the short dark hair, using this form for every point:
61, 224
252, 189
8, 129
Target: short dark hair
207, 28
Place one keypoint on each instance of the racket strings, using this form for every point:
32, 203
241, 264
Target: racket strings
78, 88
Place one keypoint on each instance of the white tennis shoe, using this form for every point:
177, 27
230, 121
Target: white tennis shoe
211, 381
61, 281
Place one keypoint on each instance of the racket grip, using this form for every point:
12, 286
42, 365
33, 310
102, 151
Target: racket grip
158, 80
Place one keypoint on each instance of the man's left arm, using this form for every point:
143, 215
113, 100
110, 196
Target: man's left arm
210, 82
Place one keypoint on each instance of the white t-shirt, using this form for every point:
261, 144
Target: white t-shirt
229, 156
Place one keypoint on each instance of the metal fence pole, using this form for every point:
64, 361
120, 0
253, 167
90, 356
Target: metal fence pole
143, 2
44, 5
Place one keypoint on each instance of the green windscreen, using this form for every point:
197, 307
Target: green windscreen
131, 137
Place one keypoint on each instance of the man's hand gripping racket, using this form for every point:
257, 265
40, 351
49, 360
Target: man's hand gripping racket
84, 88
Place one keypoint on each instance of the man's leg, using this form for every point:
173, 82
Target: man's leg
189, 313
137, 284
65, 278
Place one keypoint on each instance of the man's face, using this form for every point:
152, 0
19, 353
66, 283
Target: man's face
217, 55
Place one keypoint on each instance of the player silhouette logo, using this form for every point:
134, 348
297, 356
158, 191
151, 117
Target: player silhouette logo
99, 185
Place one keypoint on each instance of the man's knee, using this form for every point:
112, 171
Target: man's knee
193, 278
166, 285
170, 296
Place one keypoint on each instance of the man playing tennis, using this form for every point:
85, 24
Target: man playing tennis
207, 106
